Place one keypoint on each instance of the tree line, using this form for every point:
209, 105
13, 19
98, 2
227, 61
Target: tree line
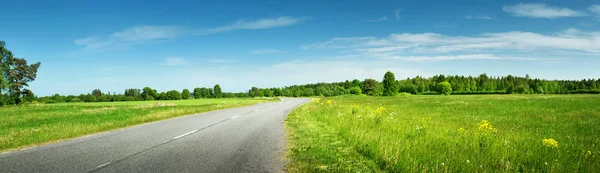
16, 73
389, 86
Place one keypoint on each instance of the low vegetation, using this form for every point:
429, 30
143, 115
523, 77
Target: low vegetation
485, 133
30, 124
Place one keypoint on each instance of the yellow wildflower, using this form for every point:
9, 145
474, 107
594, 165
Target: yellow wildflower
425, 119
461, 129
485, 125
329, 102
380, 110
550, 143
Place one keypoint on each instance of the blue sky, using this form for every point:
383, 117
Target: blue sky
114, 45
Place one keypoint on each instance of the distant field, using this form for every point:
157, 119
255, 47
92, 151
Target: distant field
488, 133
26, 125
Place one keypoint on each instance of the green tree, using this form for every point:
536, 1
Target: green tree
369, 86
355, 90
15, 76
390, 87
149, 93
173, 95
28, 95
185, 94
197, 93
97, 93
444, 88
217, 91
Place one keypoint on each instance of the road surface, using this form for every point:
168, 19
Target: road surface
246, 139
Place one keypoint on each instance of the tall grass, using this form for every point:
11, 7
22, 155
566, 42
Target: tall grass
26, 125
491, 133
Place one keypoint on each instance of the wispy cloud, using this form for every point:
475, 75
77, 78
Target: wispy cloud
220, 61
174, 61
515, 45
479, 17
384, 18
397, 13
265, 51
130, 36
595, 9
569, 40
536, 10
146, 34
259, 24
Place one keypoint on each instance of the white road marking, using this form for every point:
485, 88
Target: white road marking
103, 165
188, 133
234, 117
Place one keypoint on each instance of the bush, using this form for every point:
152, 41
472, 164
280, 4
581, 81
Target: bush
355, 90
445, 88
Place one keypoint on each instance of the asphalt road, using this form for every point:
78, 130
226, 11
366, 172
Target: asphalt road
246, 139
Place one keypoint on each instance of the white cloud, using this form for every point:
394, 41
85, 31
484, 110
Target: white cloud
479, 17
130, 36
265, 51
535, 10
220, 61
144, 34
174, 61
397, 13
263, 23
595, 9
384, 18
570, 40
466, 57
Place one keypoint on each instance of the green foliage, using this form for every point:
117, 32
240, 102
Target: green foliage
390, 86
370, 87
521, 133
149, 93
197, 93
15, 75
355, 90
185, 94
173, 95
97, 93
217, 93
445, 88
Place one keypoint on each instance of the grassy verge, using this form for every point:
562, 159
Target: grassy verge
27, 125
489, 133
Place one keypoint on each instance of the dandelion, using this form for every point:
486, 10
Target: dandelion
329, 102
485, 126
550, 143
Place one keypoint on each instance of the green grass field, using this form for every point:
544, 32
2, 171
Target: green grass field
27, 125
489, 133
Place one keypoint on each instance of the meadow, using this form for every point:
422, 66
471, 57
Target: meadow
31, 124
483, 133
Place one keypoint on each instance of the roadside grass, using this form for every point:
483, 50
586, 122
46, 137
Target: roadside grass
484, 133
28, 125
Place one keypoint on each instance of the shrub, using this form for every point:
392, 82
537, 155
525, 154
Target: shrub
355, 90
